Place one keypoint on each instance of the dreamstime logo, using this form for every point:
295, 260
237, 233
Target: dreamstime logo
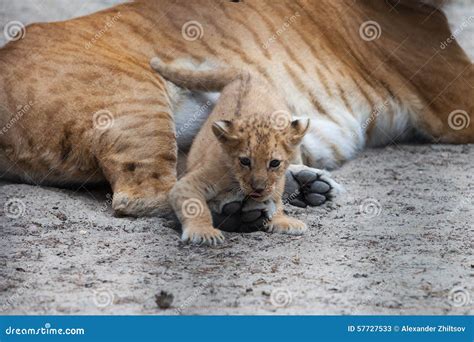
280, 119
103, 119
282, 29
103, 298
458, 120
203, 110
107, 26
21, 110
370, 30
14, 208
370, 207
192, 208
192, 298
14, 30
280, 298
192, 30
459, 296
456, 32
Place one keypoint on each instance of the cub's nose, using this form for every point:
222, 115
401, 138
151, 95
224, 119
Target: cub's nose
258, 186
258, 190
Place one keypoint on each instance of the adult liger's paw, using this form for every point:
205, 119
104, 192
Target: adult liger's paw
242, 217
307, 186
127, 205
202, 235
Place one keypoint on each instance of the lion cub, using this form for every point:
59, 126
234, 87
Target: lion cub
242, 150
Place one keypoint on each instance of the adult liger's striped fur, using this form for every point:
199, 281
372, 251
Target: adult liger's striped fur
365, 72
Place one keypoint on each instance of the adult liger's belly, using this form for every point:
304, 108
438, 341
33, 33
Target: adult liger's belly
190, 111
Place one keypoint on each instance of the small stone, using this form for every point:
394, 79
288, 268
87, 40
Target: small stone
259, 282
164, 300
61, 216
359, 275
296, 260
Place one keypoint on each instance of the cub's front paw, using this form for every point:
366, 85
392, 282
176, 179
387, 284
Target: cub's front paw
202, 235
307, 186
287, 225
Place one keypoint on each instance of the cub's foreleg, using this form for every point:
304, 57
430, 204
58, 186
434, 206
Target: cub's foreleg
189, 200
282, 223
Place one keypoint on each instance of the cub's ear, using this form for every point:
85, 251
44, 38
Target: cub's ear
298, 129
223, 131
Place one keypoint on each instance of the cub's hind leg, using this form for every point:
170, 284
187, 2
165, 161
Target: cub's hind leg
135, 145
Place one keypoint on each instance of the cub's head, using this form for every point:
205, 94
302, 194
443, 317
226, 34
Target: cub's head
259, 150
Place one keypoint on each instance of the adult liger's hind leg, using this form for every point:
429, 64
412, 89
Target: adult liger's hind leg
135, 145
441, 75
450, 116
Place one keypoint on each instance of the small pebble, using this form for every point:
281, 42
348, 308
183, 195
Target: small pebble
259, 282
61, 216
358, 275
164, 300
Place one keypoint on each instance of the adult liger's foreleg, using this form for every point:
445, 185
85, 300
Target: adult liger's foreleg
135, 146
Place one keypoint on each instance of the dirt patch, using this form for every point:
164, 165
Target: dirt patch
399, 241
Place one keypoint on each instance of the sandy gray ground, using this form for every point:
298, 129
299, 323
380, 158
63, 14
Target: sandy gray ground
400, 241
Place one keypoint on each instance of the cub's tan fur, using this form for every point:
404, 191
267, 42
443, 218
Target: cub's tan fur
243, 149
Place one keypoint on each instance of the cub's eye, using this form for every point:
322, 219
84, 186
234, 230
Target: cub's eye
275, 163
245, 161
